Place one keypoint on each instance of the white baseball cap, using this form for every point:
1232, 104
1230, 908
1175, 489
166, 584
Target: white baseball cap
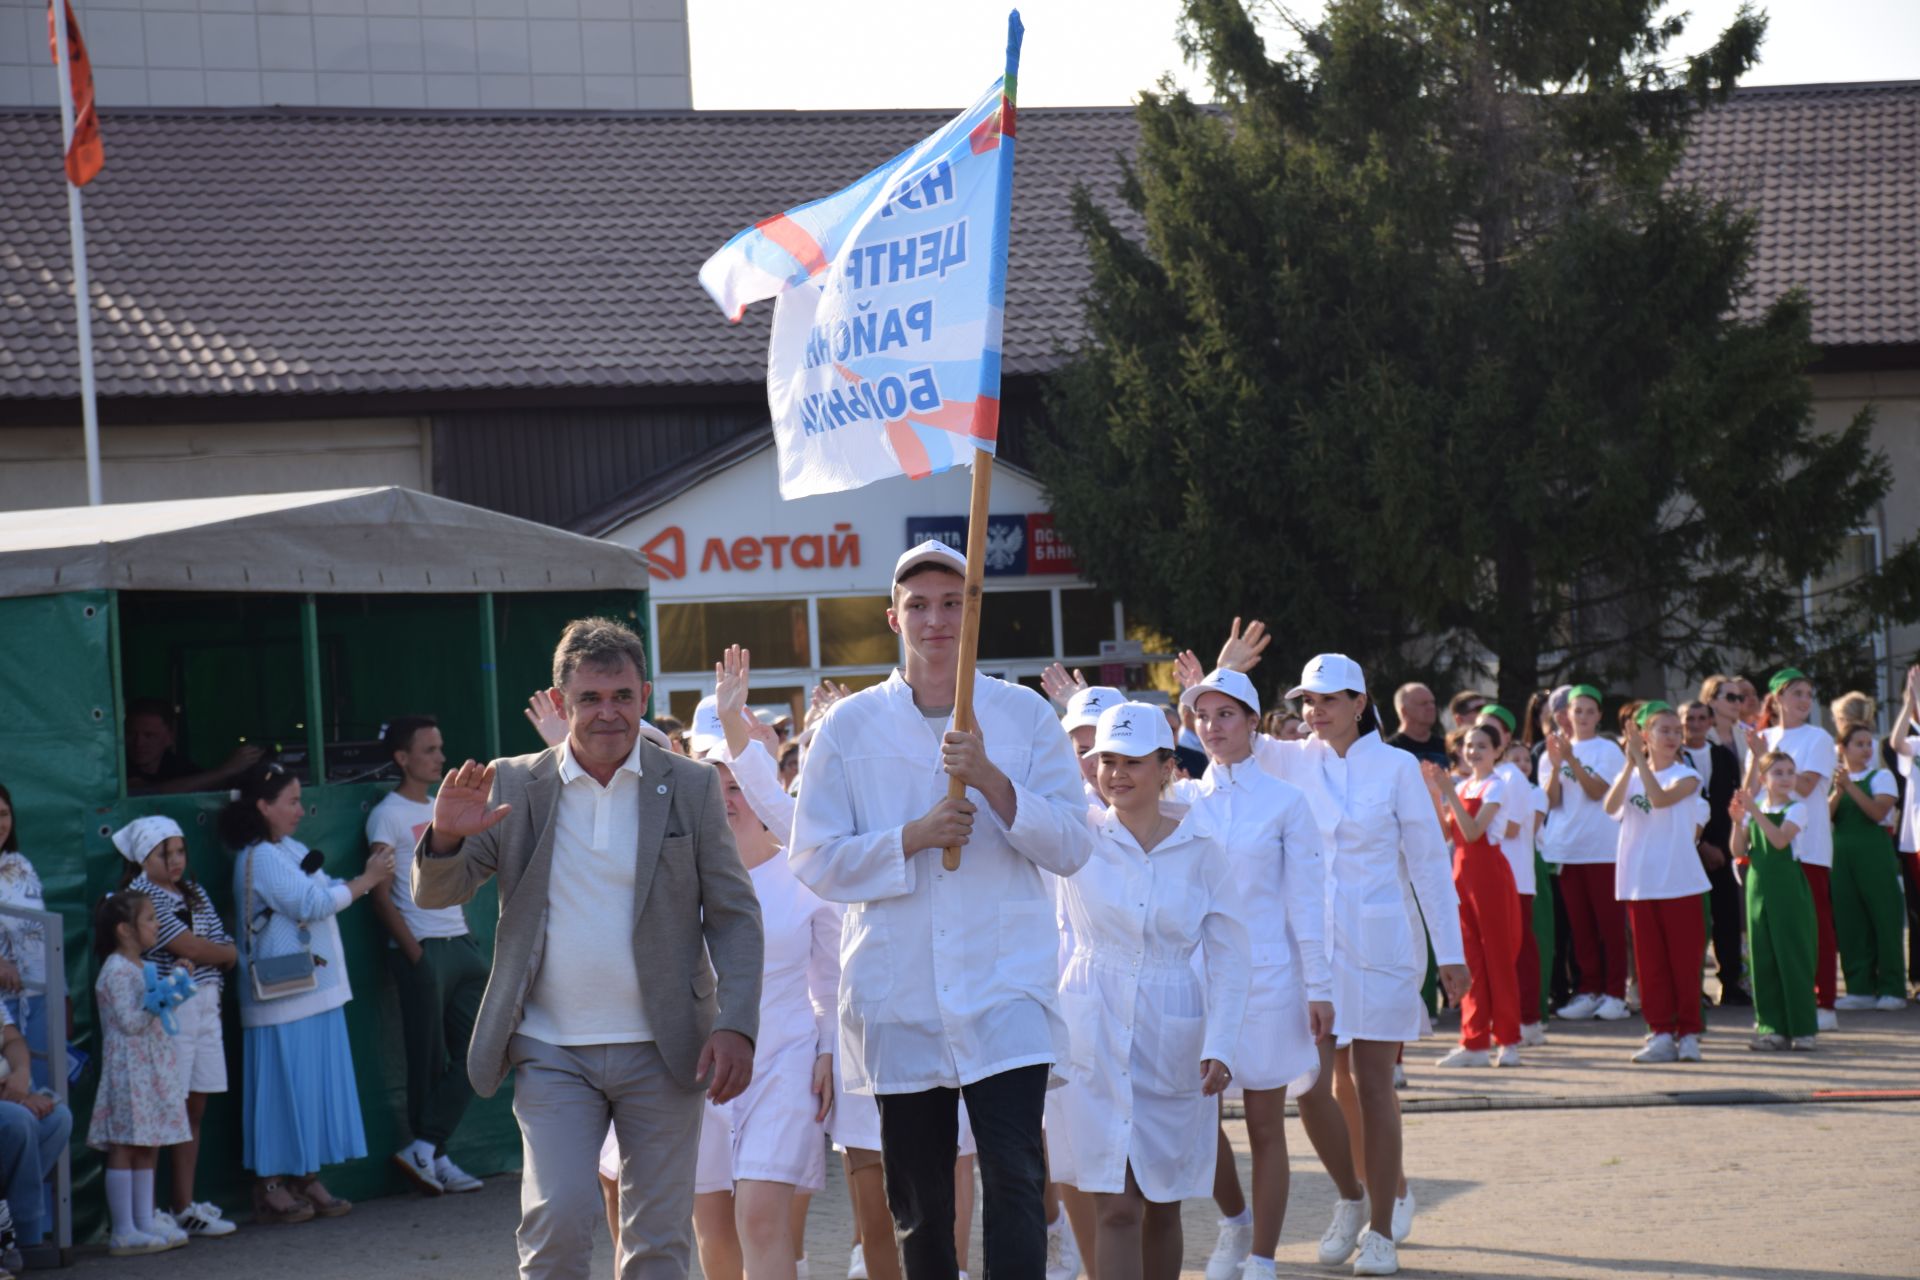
1084, 707
932, 551
707, 732
1133, 729
1224, 680
1330, 673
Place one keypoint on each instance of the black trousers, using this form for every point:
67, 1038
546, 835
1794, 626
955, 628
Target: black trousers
919, 1138
1729, 905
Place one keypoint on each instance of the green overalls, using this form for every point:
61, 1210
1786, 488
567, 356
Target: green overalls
1869, 906
1781, 930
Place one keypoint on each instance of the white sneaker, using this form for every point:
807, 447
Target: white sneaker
1461, 1056
1509, 1056
1688, 1050
857, 1264
1343, 1233
1660, 1048
1533, 1034
1851, 1001
1581, 1007
1399, 1076
1257, 1268
1403, 1217
453, 1178
1378, 1256
801, 1270
415, 1163
1612, 1009
1826, 1020
204, 1219
1890, 1004
131, 1244
1231, 1250
1063, 1251
1804, 1044
167, 1229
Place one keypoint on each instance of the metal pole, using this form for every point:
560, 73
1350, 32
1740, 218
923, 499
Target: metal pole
489, 678
82, 294
310, 659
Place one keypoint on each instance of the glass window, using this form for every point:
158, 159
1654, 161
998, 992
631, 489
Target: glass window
1086, 618
693, 636
854, 633
1016, 624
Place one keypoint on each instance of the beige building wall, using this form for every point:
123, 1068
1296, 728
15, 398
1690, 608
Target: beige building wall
46, 467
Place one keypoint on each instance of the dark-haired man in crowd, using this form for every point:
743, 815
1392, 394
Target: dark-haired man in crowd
155, 765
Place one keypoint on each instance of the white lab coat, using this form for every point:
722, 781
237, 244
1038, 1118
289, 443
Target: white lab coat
948, 976
1274, 848
1139, 1016
759, 779
1382, 839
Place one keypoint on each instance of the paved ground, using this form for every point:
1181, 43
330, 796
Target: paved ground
1533, 1188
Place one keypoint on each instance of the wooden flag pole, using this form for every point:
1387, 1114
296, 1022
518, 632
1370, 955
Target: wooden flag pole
963, 721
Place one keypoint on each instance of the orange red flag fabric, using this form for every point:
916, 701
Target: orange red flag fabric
84, 154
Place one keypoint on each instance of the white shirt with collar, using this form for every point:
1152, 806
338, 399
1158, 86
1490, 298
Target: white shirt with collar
947, 977
587, 990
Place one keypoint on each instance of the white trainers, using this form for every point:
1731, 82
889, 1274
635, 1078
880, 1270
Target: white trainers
1231, 1250
1257, 1268
1378, 1256
415, 1163
1461, 1056
1890, 1004
1826, 1020
167, 1229
1768, 1043
1803, 1044
1688, 1050
802, 1270
1851, 1001
1403, 1217
857, 1264
1533, 1034
1660, 1048
1580, 1008
1343, 1233
1509, 1056
1612, 1009
1399, 1076
131, 1244
452, 1178
1063, 1251
202, 1218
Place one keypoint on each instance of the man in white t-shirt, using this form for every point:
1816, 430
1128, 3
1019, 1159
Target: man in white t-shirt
439, 969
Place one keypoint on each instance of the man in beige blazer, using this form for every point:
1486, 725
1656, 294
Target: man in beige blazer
618, 880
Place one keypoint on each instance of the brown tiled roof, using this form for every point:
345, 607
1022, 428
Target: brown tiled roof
321, 252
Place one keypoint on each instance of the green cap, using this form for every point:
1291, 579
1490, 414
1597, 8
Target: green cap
1784, 677
1648, 710
1584, 691
1501, 714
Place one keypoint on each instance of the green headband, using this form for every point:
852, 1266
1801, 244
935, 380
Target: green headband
1649, 710
1501, 714
1584, 691
1784, 677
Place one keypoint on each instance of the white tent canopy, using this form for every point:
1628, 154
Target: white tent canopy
375, 541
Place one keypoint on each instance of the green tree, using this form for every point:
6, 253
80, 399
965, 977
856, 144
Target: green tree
1410, 346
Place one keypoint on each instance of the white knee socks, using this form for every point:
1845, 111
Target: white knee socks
143, 1199
120, 1200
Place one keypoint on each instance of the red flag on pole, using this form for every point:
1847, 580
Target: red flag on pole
84, 154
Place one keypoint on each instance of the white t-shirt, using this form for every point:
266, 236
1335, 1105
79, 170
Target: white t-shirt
1812, 750
1881, 785
397, 822
1515, 794
1795, 814
1578, 829
1658, 857
1910, 814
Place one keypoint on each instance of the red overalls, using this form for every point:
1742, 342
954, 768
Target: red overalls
1490, 927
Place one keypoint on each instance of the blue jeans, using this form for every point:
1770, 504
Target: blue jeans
30, 1149
29, 1013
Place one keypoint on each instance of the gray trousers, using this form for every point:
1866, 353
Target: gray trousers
564, 1096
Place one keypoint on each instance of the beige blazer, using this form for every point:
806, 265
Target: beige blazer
692, 900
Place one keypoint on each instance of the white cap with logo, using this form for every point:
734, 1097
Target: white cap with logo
1224, 680
1133, 729
1330, 673
707, 731
1084, 707
932, 551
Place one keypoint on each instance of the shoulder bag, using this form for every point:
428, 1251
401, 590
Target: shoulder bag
274, 977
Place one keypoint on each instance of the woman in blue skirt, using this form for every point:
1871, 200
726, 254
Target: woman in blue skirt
300, 1109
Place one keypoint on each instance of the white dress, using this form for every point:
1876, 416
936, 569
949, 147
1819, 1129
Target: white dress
1140, 1020
1383, 844
1273, 846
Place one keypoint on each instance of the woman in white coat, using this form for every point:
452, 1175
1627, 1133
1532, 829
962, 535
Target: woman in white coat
1151, 1043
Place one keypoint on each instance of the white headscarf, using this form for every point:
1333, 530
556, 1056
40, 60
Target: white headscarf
143, 835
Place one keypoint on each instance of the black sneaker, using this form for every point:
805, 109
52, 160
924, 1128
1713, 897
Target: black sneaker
1735, 998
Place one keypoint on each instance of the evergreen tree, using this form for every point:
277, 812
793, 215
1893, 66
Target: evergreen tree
1410, 346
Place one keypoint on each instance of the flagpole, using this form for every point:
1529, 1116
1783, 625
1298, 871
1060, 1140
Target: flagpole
77, 233
963, 721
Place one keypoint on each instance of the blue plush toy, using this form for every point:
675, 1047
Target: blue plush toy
164, 995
